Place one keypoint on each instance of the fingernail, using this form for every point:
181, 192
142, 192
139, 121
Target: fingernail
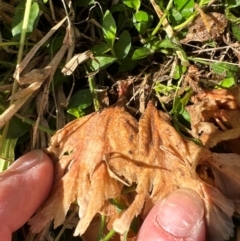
180, 213
27, 161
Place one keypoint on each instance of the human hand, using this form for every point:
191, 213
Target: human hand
23, 188
27, 183
177, 217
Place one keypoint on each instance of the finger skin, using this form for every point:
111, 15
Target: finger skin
185, 219
23, 188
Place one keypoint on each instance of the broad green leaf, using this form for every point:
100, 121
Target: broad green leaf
179, 103
109, 28
133, 4
179, 107
18, 20
75, 112
141, 53
55, 44
101, 62
186, 8
17, 128
227, 69
228, 82
59, 78
186, 115
79, 102
141, 21
128, 63
179, 71
236, 31
231, 17
119, 7
232, 3
125, 20
123, 45
175, 16
165, 43
100, 49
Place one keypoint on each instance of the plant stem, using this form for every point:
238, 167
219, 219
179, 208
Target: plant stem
109, 235
101, 228
92, 87
31, 122
163, 17
189, 20
19, 59
22, 41
169, 30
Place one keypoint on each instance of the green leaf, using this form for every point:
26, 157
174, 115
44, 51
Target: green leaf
123, 45
231, 17
164, 89
236, 31
100, 49
179, 71
59, 78
118, 7
128, 63
186, 8
179, 107
228, 82
109, 28
55, 44
165, 43
141, 53
18, 20
125, 20
135, 225
8, 153
175, 16
227, 69
75, 112
17, 128
101, 62
233, 3
135, 4
80, 101
141, 21
7, 64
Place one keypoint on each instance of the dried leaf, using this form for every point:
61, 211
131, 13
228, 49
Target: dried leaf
106, 146
206, 27
76, 60
85, 143
215, 117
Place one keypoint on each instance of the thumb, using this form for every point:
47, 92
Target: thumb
178, 217
23, 188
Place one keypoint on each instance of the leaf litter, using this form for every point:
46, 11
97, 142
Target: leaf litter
116, 165
97, 155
